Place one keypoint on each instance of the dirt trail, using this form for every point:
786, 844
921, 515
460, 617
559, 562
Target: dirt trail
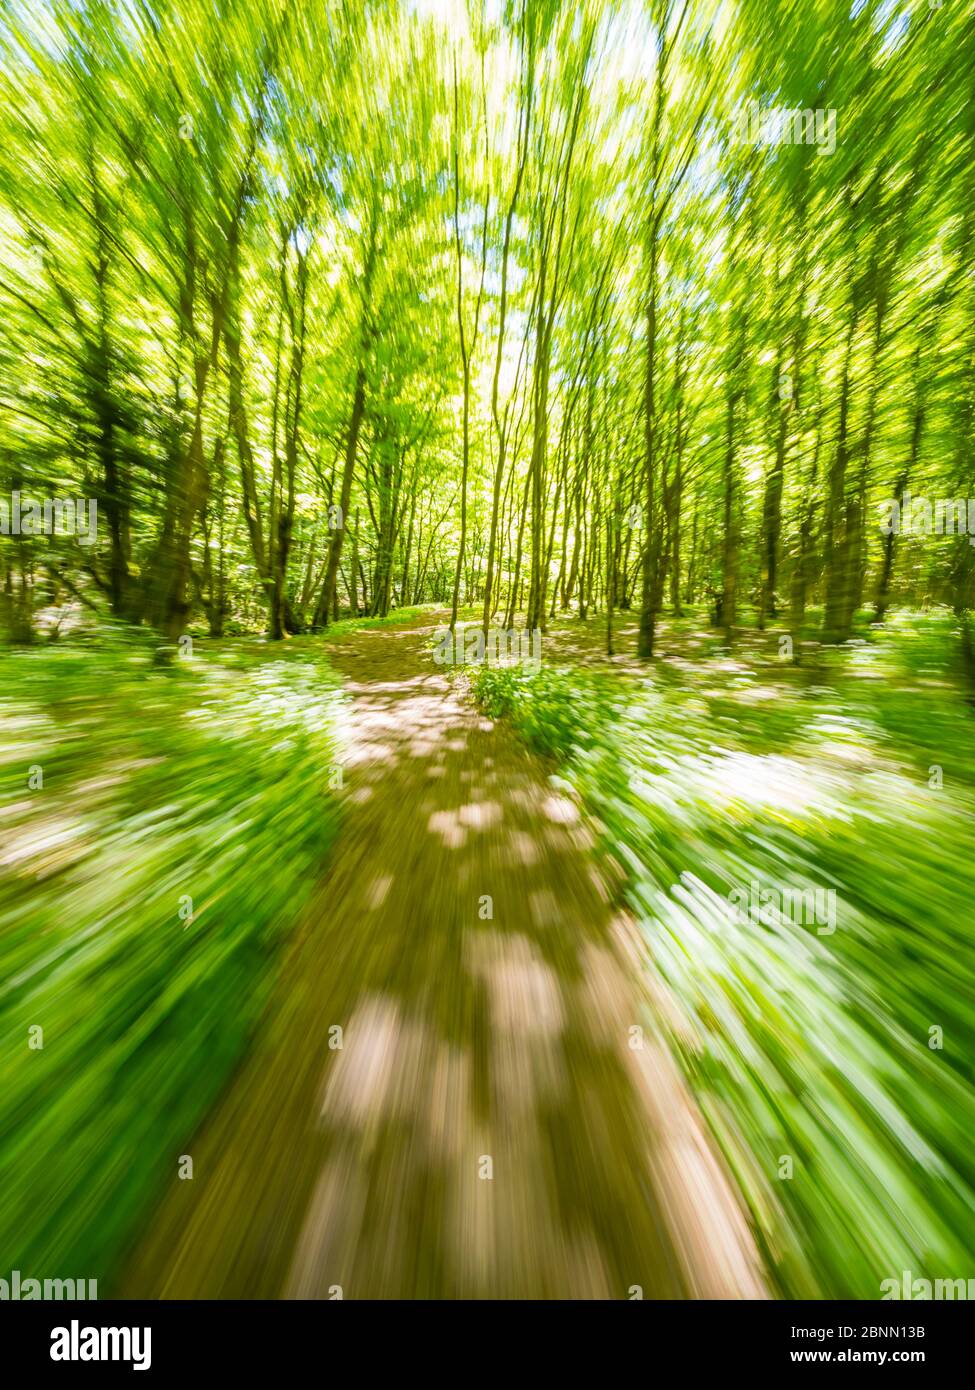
476, 1038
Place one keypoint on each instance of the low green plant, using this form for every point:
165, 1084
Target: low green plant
834, 1067
156, 822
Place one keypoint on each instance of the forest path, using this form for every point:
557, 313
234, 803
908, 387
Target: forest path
465, 1038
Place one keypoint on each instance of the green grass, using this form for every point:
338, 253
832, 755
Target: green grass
803, 1045
393, 619
207, 780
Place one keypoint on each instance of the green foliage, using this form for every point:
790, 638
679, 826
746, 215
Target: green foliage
398, 616
202, 783
399, 260
800, 1044
544, 705
350, 307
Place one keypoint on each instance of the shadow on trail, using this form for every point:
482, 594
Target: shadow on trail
487, 1128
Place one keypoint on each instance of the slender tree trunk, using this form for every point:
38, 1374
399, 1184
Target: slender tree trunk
329, 597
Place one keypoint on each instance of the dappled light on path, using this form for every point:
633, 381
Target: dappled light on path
486, 1127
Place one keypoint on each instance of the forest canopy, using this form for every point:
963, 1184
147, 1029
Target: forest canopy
334, 308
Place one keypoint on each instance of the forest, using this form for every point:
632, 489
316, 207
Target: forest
487, 508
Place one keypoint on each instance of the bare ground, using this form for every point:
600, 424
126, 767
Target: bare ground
487, 1127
